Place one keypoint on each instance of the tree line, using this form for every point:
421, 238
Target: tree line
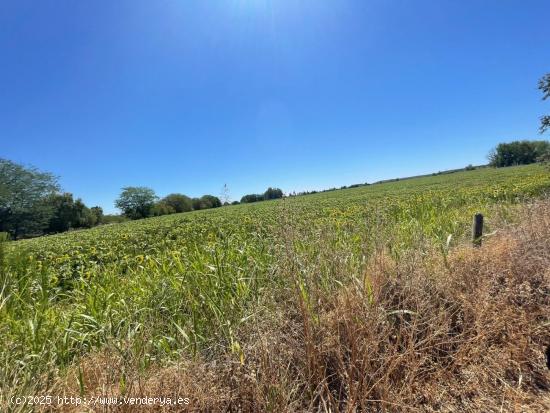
32, 203
137, 202
270, 193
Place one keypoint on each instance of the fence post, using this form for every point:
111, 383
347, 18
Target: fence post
477, 230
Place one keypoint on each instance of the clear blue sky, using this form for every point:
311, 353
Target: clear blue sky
186, 95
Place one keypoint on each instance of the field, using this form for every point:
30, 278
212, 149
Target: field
198, 287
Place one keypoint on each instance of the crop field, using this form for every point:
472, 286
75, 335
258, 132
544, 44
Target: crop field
187, 286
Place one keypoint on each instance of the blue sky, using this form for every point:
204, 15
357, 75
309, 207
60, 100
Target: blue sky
189, 95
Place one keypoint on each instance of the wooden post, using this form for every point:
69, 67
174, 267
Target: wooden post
477, 230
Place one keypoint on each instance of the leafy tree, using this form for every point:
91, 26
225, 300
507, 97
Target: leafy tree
23, 193
63, 212
97, 213
197, 204
84, 216
270, 193
246, 199
211, 201
544, 86
162, 208
206, 202
88, 217
518, 153
68, 213
273, 193
178, 202
136, 202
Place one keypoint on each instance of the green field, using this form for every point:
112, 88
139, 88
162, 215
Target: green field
185, 285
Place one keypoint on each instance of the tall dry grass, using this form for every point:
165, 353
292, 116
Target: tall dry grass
452, 331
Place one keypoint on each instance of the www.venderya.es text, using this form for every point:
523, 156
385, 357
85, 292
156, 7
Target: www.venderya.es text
99, 401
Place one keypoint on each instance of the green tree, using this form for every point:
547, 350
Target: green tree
97, 213
544, 86
23, 194
211, 201
179, 202
206, 202
83, 215
136, 202
246, 199
162, 208
518, 153
69, 213
63, 212
273, 193
197, 204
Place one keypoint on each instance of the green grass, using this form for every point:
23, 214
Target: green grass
184, 284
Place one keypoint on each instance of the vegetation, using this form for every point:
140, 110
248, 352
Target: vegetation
270, 193
68, 213
360, 293
544, 86
136, 202
519, 153
113, 219
31, 205
178, 202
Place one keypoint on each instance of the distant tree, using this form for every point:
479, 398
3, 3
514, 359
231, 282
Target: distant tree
197, 204
246, 199
162, 208
235, 203
83, 215
206, 202
23, 194
273, 193
97, 213
63, 212
179, 202
68, 213
518, 153
544, 86
211, 201
469, 167
136, 202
